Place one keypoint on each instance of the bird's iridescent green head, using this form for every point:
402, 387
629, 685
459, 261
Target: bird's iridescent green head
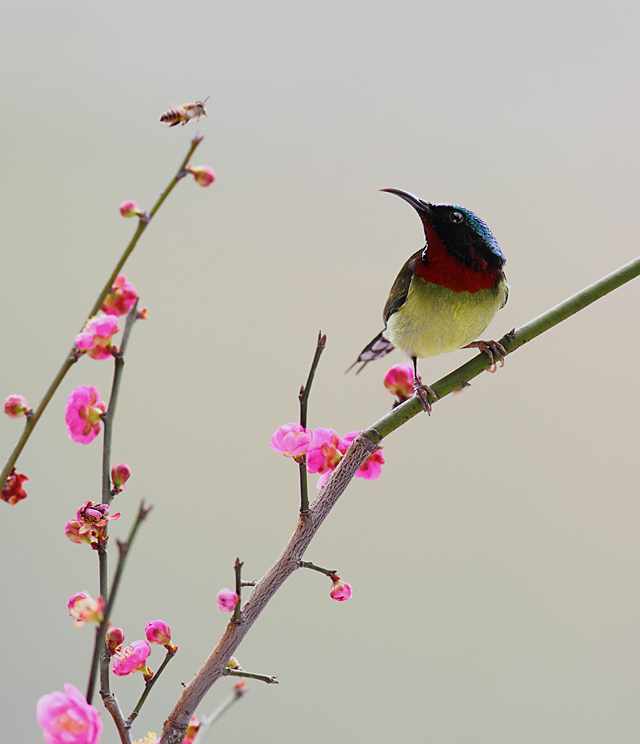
463, 233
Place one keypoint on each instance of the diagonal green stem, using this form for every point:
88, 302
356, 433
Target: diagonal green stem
149, 683
511, 341
72, 357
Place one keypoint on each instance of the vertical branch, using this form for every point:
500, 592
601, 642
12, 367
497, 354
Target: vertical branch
303, 397
237, 616
123, 549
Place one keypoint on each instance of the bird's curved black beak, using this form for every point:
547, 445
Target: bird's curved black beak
417, 204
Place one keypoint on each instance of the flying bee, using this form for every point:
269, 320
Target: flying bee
184, 113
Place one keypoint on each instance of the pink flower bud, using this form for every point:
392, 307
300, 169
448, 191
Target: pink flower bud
132, 659
192, 730
67, 718
95, 338
13, 490
114, 639
399, 381
77, 531
85, 609
129, 208
120, 474
341, 591
84, 414
227, 600
157, 631
203, 175
122, 297
16, 406
291, 439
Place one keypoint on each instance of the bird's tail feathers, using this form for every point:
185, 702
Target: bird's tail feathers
378, 348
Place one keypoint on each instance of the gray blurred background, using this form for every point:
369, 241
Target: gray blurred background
495, 562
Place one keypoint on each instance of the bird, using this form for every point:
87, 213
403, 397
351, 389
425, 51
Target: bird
446, 294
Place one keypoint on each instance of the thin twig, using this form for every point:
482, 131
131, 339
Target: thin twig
149, 683
208, 721
361, 448
250, 675
108, 417
72, 357
237, 614
303, 397
325, 571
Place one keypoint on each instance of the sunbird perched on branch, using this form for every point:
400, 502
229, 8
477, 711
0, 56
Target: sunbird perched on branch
446, 294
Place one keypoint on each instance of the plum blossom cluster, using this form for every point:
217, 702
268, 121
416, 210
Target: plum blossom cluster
133, 658
89, 523
324, 449
67, 718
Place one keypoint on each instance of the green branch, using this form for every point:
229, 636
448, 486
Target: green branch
511, 341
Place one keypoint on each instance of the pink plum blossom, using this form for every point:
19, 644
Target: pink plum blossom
340, 591
129, 208
16, 406
157, 631
323, 454
67, 718
291, 439
90, 519
83, 414
122, 297
226, 600
132, 659
114, 639
399, 381
85, 609
95, 338
203, 174
371, 468
13, 492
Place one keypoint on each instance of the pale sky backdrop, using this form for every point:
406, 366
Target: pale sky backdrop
495, 563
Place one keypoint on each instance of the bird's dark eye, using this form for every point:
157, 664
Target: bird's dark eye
456, 217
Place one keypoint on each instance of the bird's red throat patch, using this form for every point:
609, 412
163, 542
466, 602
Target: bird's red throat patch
447, 271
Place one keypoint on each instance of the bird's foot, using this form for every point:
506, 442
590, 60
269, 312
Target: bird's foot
423, 392
490, 348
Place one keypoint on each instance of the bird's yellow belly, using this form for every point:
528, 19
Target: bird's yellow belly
434, 319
